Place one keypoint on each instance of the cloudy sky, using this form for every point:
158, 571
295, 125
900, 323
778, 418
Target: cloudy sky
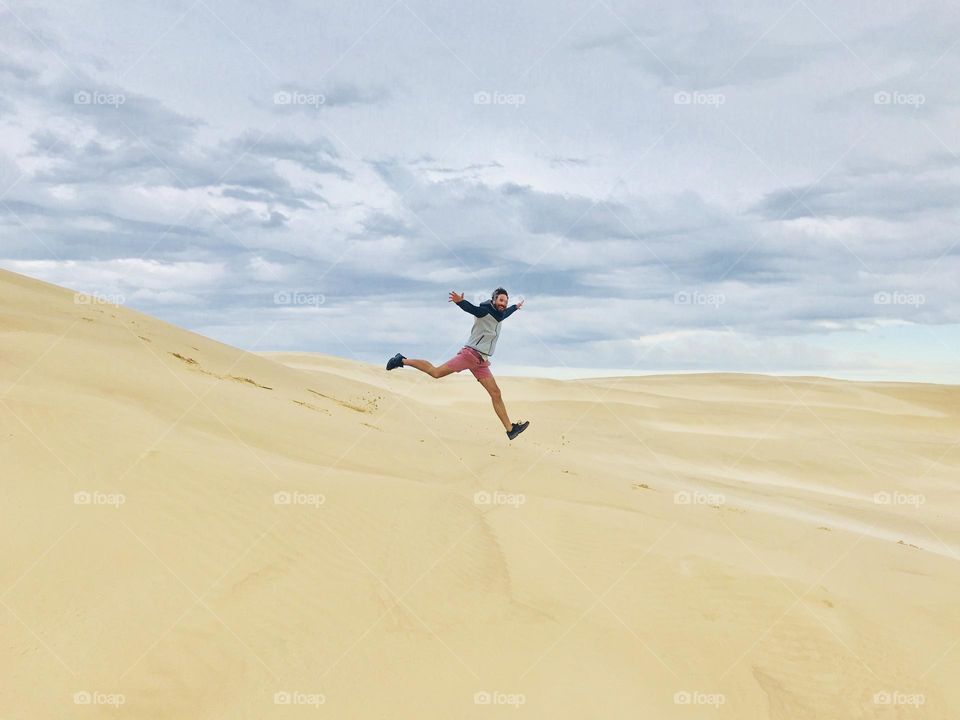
675, 186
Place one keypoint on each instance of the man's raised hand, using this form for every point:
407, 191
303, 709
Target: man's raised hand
454, 298
520, 304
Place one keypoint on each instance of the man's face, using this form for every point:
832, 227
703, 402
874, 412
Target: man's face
500, 303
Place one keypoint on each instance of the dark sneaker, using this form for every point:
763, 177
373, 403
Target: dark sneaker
395, 362
517, 429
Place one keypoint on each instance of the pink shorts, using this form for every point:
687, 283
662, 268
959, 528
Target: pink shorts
470, 359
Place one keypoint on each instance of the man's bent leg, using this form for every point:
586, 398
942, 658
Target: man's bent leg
490, 385
429, 368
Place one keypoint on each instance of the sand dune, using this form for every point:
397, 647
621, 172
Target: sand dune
193, 531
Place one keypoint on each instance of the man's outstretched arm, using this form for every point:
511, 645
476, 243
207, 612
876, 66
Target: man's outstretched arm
466, 304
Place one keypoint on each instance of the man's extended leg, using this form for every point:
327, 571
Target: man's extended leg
490, 385
430, 369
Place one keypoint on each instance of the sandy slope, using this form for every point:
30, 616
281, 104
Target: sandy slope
388, 588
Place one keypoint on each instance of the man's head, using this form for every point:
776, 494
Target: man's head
499, 299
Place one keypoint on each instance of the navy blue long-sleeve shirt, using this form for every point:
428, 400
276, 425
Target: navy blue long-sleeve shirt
487, 308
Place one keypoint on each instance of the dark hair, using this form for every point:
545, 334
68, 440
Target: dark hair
499, 291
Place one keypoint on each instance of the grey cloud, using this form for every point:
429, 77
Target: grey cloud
264, 196
305, 100
119, 113
467, 170
63, 232
933, 162
236, 165
716, 51
276, 219
561, 161
891, 200
139, 140
10, 69
318, 154
923, 35
380, 224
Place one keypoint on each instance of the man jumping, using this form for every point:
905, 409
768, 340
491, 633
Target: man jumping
475, 355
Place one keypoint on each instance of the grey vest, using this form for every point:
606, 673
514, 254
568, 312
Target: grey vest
486, 326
